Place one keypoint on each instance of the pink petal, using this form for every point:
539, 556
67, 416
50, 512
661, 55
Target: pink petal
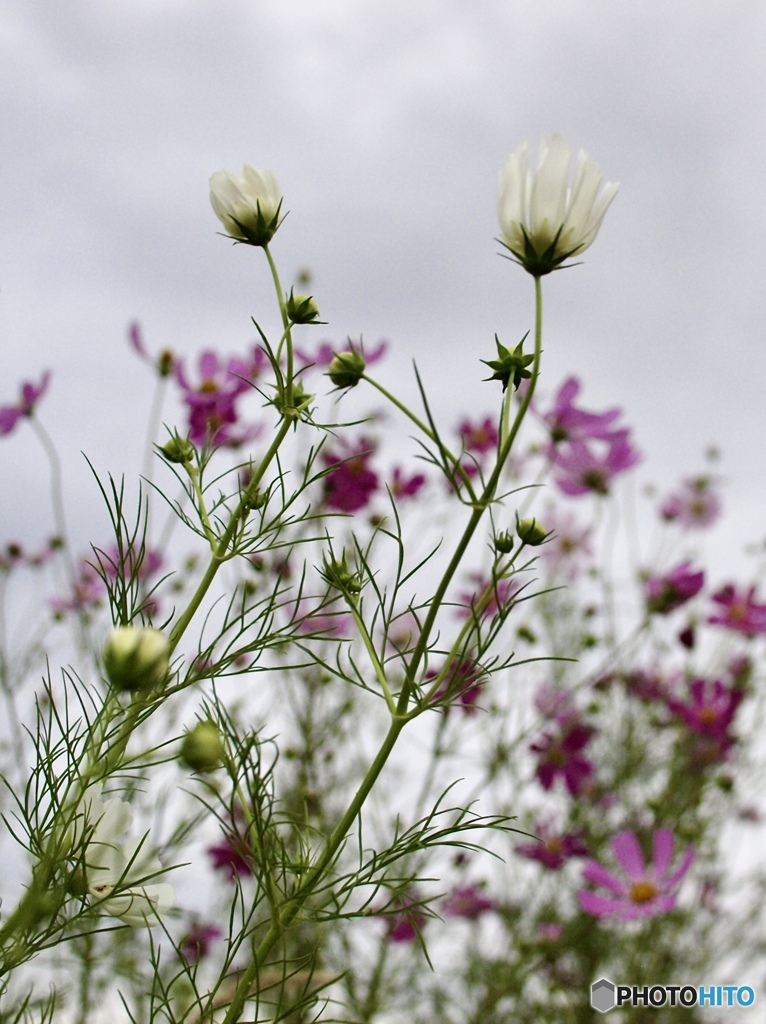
599, 906
596, 874
682, 868
663, 853
629, 856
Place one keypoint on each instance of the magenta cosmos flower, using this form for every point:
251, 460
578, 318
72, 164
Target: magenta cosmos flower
588, 467
641, 891
561, 754
469, 902
695, 505
709, 710
666, 593
212, 403
568, 423
350, 483
553, 848
30, 395
739, 611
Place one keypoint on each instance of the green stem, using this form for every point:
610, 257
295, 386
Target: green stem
466, 480
221, 552
483, 503
295, 904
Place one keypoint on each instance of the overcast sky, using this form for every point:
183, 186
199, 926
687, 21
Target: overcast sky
385, 122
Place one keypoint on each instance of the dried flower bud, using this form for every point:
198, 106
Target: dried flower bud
136, 659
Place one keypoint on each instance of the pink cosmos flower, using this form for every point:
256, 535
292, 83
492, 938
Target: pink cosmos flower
488, 599
463, 685
350, 483
568, 423
561, 754
196, 945
666, 593
709, 711
555, 702
739, 612
467, 901
231, 856
405, 487
478, 438
212, 403
555, 847
581, 469
642, 891
30, 395
695, 505
163, 363
406, 925
648, 685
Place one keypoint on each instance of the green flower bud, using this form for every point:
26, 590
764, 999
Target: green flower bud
337, 574
136, 659
510, 367
178, 449
530, 532
301, 309
504, 543
202, 749
346, 369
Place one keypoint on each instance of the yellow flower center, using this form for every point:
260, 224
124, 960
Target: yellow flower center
643, 892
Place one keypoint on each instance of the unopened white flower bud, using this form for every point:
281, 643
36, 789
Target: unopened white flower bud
136, 659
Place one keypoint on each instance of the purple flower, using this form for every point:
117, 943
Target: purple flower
211, 404
568, 423
488, 599
467, 901
642, 891
30, 395
709, 711
464, 683
740, 612
350, 483
583, 470
561, 754
666, 593
163, 363
555, 848
478, 438
196, 945
555, 702
405, 487
232, 854
695, 505
407, 924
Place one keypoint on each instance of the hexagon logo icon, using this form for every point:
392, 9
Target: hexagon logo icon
602, 995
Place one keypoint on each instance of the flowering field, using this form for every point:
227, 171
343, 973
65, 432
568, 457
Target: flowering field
370, 718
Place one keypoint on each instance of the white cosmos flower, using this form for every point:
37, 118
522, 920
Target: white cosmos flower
247, 204
120, 871
553, 213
